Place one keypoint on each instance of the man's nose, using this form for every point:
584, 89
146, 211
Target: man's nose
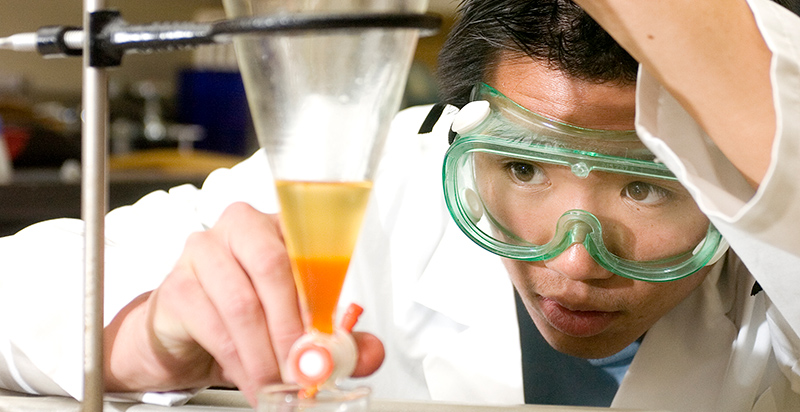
577, 264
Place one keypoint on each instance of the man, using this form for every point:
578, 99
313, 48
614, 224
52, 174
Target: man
443, 308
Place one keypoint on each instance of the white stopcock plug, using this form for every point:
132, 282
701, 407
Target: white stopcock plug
470, 116
319, 359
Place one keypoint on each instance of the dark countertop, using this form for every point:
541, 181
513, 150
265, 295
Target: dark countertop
37, 195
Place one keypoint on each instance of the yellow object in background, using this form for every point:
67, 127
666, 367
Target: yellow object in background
172, 162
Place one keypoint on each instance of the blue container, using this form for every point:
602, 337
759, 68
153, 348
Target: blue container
215, 100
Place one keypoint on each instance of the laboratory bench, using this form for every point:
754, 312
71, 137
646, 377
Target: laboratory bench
37, 195
233, 401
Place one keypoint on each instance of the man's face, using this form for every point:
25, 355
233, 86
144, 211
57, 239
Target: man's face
580, 308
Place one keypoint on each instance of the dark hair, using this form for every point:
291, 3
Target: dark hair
555, 32
793, 5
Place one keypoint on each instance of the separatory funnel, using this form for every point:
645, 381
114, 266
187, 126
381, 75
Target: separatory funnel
322, 101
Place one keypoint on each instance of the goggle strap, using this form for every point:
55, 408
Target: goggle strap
432, 118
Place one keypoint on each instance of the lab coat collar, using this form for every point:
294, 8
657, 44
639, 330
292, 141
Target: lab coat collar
687, 360
479, 361
460, 278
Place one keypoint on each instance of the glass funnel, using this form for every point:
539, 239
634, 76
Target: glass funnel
322, 101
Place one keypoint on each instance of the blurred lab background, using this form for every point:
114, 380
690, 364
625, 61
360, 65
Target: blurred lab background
174, 116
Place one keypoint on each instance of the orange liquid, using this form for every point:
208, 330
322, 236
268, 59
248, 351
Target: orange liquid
321, 280
321, 221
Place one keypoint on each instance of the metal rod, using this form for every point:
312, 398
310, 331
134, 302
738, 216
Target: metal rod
94, 188
117, 37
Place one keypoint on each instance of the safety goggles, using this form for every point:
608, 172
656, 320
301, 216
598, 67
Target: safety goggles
512, 179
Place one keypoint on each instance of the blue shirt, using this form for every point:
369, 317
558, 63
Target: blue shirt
552, 378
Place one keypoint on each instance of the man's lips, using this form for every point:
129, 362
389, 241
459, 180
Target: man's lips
575, 322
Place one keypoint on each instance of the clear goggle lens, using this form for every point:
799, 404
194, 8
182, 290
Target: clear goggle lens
512, 179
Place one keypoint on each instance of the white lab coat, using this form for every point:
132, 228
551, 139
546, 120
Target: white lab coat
444, 307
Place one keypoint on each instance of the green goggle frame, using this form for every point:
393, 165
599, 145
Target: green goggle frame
494, 124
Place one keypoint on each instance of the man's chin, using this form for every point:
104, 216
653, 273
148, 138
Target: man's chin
589, 347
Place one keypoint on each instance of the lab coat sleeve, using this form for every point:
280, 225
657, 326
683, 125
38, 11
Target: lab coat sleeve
41, 274
763, 225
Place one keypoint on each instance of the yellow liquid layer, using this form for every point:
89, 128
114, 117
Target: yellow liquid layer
321, 222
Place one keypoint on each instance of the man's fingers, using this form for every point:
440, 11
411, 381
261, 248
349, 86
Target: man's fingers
370, 354
197, 319
258, 246
245, 272
239, 310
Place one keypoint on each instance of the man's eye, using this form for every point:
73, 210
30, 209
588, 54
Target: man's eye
525, 172
645, 193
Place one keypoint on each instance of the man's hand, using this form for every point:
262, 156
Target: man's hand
226, 315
